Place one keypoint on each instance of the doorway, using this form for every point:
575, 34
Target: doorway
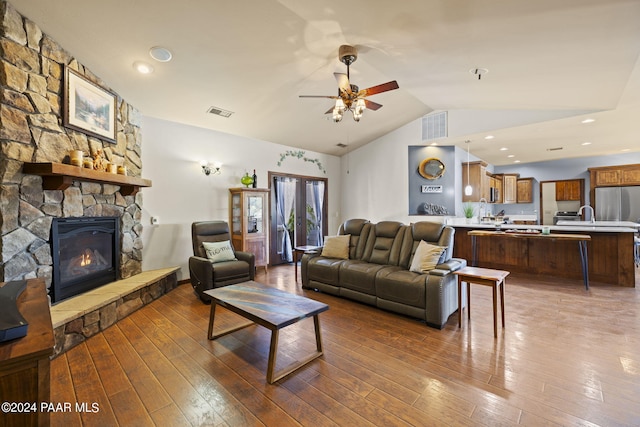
298, 212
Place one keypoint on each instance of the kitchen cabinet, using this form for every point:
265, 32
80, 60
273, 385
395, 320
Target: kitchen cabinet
510, 188
608, 176
475, 174
524, 190
569, 190
249, 222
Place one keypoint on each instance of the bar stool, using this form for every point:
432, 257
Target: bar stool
485, 277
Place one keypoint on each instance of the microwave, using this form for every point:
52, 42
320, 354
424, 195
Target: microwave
494, 194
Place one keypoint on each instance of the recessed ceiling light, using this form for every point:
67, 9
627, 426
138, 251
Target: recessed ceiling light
516, 161
160, 54
142, 67
626, 149
588, 121
489, 137
511, 155
478, 72
586, 143
504, 149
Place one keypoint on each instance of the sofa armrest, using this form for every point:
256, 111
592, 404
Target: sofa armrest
250, 259
450, 266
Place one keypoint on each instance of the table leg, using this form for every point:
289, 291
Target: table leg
502, 301
295, 263
474, 260
582, 245
273, 350
212, 315
495, 313
459, 302
468, 300
272, 375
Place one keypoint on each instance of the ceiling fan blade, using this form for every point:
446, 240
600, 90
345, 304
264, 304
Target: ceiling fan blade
372, 105
343, 82
330, 110
378, 89
318, 96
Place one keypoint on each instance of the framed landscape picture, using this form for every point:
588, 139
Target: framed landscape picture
89, 108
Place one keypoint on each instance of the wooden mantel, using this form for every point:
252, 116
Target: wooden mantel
59, 176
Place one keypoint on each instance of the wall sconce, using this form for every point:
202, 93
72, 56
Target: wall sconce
209, 169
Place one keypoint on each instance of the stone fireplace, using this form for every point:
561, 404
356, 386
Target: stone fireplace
31, 111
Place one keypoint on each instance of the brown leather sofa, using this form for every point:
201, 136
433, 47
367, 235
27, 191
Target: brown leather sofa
377, 271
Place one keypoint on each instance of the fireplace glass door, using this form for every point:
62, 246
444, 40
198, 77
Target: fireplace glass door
84, 254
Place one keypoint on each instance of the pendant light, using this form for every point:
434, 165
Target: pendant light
468, 190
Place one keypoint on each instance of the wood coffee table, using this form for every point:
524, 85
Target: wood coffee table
269, 307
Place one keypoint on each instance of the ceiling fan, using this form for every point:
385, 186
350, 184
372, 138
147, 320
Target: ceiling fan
349, 97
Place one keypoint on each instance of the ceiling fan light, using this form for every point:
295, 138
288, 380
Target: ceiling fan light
337, 115
340, 105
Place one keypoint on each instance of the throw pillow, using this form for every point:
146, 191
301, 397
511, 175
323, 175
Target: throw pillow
426, 257
336, 246
219, 251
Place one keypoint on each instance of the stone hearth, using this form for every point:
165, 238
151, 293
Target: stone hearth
78, 318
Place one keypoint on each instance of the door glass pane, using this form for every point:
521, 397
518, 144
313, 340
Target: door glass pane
314, 220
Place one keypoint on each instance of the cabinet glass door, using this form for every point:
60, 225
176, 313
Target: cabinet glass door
236, 214
254, 214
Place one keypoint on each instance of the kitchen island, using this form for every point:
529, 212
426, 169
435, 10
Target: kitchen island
610, 252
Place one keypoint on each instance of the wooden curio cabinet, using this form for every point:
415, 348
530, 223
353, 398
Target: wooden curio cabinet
249, 222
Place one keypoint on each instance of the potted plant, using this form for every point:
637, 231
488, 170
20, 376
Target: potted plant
468, 210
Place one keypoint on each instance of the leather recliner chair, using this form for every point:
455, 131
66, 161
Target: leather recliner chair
206, 275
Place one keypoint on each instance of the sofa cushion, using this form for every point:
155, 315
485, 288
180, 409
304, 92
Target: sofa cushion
324, 270
359, 276
401, 286
426, 257
219, 251
336, 247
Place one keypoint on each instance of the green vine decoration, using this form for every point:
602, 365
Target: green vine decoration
300, 155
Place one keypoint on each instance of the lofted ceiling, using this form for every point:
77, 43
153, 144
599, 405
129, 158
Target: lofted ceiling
551, 64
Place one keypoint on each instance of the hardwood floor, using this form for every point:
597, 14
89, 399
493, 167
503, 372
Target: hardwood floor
566, 357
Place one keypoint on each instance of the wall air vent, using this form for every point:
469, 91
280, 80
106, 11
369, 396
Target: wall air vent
434, 126
219, 112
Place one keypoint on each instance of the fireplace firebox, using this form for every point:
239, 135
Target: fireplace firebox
86, 254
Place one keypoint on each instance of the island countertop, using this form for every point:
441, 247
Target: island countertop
610, 251
591, 228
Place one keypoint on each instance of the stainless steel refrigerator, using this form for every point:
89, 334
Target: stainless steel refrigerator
618, 204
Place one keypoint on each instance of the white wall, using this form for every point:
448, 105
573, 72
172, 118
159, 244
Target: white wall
182, 194
375, 178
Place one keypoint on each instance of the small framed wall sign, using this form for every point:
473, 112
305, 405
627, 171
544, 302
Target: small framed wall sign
431, 189
89, 108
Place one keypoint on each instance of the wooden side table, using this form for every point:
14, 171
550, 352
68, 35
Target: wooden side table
24, 362
298, 251
485, 277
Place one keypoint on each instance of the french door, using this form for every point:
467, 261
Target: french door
298, 214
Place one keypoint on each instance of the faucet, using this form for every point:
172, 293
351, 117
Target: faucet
593, 214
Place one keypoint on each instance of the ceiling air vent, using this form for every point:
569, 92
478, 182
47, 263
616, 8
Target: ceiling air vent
219, 112
434, 126
341, 145
555, 149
